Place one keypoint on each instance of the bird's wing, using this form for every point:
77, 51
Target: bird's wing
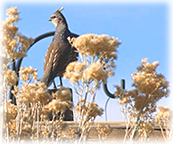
48, 58
52, 55
62, 58
51, 58
56, 57
72, 55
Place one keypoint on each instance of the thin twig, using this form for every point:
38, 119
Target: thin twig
5, 113
161, 128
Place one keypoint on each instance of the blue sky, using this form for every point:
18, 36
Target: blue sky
142, 28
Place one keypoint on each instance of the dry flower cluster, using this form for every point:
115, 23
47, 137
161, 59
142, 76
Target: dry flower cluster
103, 131
101, 46
92, 108
27, 73
77, 71
139, 105
10, 77
14, 44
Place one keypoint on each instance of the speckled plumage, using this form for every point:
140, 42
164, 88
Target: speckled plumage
60, 53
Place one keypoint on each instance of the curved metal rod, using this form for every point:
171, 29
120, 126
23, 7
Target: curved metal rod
35, 41
107, 92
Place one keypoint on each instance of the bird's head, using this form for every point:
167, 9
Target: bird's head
57, 17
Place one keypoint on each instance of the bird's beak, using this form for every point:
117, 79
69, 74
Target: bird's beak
50, 19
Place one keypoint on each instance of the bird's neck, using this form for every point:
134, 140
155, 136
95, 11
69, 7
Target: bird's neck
61, 31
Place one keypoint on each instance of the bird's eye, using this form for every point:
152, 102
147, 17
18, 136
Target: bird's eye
53, 17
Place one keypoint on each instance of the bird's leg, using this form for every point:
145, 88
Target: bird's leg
54, 85
60, 79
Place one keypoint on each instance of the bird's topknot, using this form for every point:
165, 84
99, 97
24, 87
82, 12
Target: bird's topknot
60, 9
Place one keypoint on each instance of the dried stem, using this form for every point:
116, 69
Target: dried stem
6, 129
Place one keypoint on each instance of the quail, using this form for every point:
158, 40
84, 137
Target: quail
60, 52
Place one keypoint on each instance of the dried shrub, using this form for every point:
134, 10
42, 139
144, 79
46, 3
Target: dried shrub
139, 105
97, 54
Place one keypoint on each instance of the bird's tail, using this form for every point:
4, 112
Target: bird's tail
46, 80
